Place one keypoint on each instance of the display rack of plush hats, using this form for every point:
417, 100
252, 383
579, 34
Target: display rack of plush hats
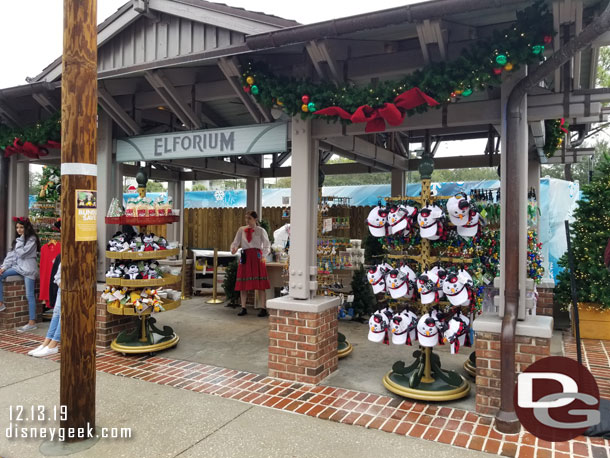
146, 337
424, 378
325, 273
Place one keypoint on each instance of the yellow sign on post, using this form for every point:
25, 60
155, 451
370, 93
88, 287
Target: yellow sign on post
86, 215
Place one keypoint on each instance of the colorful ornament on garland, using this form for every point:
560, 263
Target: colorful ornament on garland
250, 80
254, 89
467, 92
392, 113
538, 49
508, 67
548, 39
304, 108
501, 59
305, 99
497, 70
311, 107
247, 89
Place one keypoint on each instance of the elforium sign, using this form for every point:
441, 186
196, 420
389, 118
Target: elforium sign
232, 141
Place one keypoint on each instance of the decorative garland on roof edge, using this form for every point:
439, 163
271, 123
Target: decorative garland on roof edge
555, 131
32, 141
478, 67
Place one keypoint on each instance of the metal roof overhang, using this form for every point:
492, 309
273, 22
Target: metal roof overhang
382, 44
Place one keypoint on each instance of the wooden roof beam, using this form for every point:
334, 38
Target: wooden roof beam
118, 115
230, 68
430, 33
170, 96
319, 54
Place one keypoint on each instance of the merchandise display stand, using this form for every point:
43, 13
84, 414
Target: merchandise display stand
424, 379
147, 337
470, 365
344, 348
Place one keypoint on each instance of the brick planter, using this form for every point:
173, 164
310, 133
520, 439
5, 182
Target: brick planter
302, 344
108, 326
17, 310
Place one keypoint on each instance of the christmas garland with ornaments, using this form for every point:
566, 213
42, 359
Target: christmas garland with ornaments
33, 141
478, 67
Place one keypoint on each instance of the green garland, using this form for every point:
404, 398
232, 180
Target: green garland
38, 133
477, 68
555, 131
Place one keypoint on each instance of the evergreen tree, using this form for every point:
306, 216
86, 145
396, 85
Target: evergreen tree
372, 248
365, 301
228, 284
590, 233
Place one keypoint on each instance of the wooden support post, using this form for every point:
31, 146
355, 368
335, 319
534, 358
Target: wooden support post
79, 171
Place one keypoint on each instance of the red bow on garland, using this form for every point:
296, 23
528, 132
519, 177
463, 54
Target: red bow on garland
563, 129
393, 113
249, 231
29, 149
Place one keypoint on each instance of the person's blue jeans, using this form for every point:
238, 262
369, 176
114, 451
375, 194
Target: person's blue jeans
54, 332
30, 287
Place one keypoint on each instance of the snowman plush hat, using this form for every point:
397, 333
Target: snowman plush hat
376, 277
397, 283
458, 207
427, 332
427, 287
456, 287
428, 222
411, 280
442, 276
458, 334
471, 226
403, 328
377, 221
378, 328
400, 218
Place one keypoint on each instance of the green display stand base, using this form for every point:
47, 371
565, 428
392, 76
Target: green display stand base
424, 379
344, 348
470, 366
145, 339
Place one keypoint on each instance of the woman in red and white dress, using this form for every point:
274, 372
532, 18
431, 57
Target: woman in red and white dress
252, 270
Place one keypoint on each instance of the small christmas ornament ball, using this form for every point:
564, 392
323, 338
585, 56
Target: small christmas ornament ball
250, 80
537, 49
508, 67
305, 99
247, 89
311, 107
255, 89
548, 39
498, 71
501, 59
304, 108
280, 103
467, 92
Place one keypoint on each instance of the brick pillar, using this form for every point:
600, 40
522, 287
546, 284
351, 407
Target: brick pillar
529, 349
108, 326
303, 344
17, 309
544, 306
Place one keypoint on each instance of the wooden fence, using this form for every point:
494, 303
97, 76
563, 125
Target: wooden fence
208, 228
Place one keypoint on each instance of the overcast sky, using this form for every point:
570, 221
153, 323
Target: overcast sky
31, 32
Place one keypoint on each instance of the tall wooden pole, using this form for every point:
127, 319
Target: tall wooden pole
79, 171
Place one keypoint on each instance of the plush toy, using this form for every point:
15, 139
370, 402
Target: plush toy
160, 243
148, 242
377, 221
154, 270
431, 225
458, 332
115, 271
107, 294
378, 328
404, 328
132, 272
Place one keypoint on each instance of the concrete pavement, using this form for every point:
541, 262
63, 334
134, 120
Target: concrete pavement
170, 422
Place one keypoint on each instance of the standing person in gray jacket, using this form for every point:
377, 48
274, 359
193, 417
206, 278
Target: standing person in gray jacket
22, 261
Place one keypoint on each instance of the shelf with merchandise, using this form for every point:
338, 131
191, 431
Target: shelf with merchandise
147, 337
